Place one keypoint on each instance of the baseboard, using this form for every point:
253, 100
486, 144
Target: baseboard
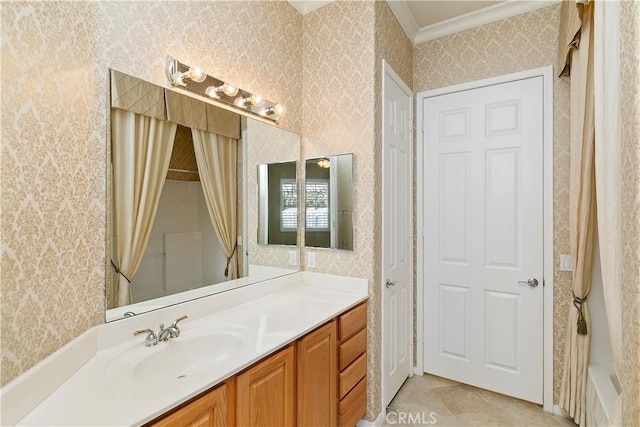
557, 410
377, 423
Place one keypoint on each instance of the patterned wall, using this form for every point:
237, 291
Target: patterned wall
266, 144
519, 43
630, 125
54, 139
183, 157
343, 45
53, 170
338, 113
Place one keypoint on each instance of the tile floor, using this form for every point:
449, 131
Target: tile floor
431, 400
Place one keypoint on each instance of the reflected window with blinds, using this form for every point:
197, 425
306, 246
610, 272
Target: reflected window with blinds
288, 205
317, 204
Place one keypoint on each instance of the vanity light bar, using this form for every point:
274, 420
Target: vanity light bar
195, 80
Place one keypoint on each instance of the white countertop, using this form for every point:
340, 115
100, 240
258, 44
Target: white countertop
104, 392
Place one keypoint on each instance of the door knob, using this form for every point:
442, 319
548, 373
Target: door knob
533, 282
390, 283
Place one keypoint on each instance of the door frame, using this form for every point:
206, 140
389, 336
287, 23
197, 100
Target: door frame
388, 71
547, 340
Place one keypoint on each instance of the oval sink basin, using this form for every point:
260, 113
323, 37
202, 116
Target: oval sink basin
179, 357
182, 356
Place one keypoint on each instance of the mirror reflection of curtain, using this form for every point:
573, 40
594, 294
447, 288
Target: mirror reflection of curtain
216, 156
141, 152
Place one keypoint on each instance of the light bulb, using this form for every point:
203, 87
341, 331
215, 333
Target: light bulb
276, 110
196, 74
212, 92
256, 100
216, 91
241, 102
229, 89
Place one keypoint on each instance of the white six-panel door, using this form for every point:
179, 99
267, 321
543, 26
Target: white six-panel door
483, 237
397, 248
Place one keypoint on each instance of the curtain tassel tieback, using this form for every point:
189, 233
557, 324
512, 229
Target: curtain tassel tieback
582, 324
120, 272
226, 270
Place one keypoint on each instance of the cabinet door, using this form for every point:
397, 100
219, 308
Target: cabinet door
265, 393
317, 377
209, 410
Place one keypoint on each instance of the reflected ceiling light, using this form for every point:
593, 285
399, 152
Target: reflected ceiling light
324, 163
249, 101
216, 91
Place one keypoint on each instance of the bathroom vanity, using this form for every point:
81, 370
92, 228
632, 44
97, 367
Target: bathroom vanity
297, 385
286, 351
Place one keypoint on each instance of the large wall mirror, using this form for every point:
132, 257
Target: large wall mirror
184, 208
328, 192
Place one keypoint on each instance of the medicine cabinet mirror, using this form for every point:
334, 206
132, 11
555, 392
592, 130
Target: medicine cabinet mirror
328, 192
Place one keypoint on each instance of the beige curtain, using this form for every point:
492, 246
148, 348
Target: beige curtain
216, 156
582, 212
608, 166
141, 152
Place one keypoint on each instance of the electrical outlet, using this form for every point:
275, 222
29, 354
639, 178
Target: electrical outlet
311, 259
293, 258
565, 263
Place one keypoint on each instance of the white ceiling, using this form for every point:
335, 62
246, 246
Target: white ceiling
431, 12
424, 20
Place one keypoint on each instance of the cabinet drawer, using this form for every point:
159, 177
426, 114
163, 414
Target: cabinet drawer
353, 374
354, 406
352, 321
350, 350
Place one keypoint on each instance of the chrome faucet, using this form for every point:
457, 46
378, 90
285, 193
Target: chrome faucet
151, 339
171, 332
163, 335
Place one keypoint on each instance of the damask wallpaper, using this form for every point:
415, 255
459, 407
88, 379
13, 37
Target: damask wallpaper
338, 113
183, 157
55, 60
518, 43
630, 126
325, 68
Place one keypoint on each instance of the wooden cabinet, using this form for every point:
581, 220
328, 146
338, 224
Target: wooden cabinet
265, 393
208, 410
320, 380
317, 379
352, 365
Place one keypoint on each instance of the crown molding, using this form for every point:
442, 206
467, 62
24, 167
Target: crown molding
480, 17
405, 18
308, 6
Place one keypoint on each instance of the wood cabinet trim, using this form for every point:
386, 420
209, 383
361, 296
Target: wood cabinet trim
354, 405
352, 375
317, 390
352, 321
352, 349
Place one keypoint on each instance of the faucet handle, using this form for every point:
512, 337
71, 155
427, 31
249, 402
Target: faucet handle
175, 324
174, 327
151, 339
